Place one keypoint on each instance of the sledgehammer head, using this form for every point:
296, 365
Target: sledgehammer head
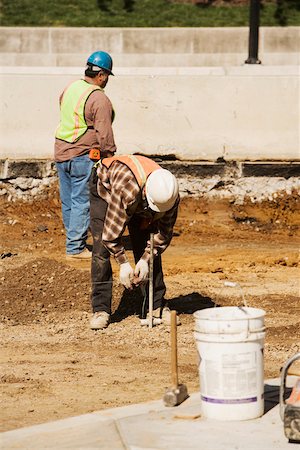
176, 395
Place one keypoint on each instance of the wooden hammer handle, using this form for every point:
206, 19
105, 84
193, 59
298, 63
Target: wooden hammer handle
174, 362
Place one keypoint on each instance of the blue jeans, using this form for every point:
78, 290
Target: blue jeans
74, 194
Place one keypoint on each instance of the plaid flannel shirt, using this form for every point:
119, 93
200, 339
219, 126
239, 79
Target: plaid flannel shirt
119, 188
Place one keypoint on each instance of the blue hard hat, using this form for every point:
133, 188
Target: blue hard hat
102, 60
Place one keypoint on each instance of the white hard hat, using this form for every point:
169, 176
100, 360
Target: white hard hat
161, 190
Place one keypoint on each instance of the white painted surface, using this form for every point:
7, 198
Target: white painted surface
248, 112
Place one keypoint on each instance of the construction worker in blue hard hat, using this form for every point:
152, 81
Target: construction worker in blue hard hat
102, 60
86, 116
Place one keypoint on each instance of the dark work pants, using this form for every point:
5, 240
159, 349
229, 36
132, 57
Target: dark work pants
101, 271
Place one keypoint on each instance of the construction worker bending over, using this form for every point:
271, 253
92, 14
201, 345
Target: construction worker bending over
136, 192
86, 116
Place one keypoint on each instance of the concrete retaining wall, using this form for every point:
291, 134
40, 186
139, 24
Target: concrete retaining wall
155, 47
236, 113
167, 102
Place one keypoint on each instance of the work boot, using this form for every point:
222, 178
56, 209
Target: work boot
85, 254
99, 320
160, 316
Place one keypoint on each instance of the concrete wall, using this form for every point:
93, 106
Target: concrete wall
238, 113
155, 47
182, 91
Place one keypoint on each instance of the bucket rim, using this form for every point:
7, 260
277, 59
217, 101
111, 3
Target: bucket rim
258, 313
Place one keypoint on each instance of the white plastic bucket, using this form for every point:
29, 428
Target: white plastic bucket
230, 343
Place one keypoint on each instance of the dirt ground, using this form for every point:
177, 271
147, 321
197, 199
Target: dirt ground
54, 366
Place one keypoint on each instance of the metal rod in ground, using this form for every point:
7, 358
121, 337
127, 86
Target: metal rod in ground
151, 280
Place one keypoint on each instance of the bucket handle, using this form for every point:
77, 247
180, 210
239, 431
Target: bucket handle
234, 284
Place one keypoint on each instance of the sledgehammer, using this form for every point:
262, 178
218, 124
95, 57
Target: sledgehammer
178, 392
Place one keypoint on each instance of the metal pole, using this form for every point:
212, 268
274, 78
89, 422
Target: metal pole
151, 280
253, 32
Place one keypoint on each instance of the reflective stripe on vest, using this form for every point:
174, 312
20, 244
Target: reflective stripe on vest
72, 124
140, 166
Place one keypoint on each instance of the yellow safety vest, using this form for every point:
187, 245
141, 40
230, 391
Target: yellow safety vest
72, 120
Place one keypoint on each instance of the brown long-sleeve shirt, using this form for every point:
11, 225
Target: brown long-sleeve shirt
119, 188
98, 113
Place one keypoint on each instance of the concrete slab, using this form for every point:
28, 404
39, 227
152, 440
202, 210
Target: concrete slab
152, 426
88, 431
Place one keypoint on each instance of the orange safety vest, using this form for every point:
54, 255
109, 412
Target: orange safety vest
140, 166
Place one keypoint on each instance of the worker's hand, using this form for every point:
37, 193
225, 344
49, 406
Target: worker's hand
141, 271
126, 275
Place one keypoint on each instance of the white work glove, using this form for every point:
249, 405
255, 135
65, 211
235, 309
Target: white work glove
126, 274
141, 270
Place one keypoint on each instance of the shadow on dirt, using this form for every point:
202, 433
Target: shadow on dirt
132, 303
188, 304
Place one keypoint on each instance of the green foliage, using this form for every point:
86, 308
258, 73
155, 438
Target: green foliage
139, 13
283, 9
